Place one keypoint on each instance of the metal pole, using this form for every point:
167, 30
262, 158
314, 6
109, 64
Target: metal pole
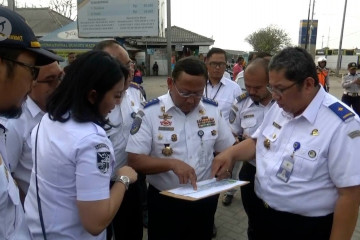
311, 27
168, 36
307, 26
11, 4
338, 65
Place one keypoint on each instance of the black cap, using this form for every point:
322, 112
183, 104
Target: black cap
16, 33
352, 65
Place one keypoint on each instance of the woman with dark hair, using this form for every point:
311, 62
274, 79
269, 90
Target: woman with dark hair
69, 195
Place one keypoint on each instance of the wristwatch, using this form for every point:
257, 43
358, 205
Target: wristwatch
123, 179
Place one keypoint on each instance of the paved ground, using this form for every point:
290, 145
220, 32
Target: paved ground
231, 221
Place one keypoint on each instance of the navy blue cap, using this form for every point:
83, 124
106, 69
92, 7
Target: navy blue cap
352, 65
16, 33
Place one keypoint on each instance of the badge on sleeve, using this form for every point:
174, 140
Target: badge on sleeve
232, 116
102, 157
135, 125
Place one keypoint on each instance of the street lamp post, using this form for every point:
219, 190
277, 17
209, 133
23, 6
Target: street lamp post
338, 65
168, 36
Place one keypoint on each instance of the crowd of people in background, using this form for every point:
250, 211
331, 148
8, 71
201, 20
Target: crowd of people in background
83, 155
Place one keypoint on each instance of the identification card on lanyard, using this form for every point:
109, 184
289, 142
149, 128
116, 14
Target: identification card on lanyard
287, 165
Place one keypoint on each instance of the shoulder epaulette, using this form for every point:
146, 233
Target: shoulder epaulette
150, 102
342, 112
209, 101
134, 85
242, 97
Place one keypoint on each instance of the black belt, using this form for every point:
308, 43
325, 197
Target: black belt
352, 94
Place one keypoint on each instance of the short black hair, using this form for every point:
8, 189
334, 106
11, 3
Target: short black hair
106, 43
297, 63
216, 51
190, 65
94, 70
239, 58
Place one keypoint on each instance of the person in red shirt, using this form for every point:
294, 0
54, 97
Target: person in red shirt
238, 66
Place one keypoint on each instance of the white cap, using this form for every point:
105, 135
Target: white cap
322, 59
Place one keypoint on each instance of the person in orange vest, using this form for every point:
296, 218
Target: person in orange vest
323, 73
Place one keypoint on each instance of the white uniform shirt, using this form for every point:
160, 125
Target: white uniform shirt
240, 80
122, 117
135, 94
12, 221
224, 93
246, 116
348, 85
321, 165
74, 163
181, 133
18, 144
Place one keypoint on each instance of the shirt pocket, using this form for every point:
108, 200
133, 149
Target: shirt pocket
306, 161
268, 141
166, 140
248, 122
206, 146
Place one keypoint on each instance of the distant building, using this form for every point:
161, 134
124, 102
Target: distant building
43, 20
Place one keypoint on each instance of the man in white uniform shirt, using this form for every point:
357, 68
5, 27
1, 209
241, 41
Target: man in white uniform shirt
308, 182
219, 88
19, 53
19, 137
173, 141
246, 116
127, 223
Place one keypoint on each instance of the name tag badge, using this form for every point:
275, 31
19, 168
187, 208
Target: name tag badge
285, 170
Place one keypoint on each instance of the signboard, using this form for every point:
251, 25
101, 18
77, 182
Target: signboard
178, 47
302, 31
203, 49
118, 18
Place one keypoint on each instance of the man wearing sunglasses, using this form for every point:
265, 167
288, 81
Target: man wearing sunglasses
172, 141
18, 144
307, 164
20, 53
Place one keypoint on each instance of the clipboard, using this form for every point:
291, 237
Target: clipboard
205, 189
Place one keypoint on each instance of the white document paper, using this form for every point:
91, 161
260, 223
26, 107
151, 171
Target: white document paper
207, 188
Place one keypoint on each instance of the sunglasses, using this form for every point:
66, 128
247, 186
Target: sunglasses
33, 69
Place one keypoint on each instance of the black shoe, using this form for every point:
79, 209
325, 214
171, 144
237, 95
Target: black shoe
214, 232
227, 200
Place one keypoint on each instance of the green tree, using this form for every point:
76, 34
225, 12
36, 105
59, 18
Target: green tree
270, 39
65, 7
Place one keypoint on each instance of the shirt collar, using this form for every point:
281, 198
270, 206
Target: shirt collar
33, 107
3, 128
168, 103
312, 109
222, 80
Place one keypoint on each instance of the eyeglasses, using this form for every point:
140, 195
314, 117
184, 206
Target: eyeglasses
279, 91
54, 80
217, 64
34, 70
187, 95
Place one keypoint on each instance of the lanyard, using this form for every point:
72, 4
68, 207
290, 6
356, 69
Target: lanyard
206, 92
